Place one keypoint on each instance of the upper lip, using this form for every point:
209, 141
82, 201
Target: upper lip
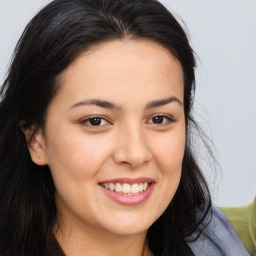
129, 180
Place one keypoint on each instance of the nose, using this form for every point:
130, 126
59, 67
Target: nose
132, 147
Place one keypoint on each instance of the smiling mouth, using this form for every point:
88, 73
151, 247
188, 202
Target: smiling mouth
125, 188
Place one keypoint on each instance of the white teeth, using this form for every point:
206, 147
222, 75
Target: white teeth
111, 186
118, 187
135, 189
126, 188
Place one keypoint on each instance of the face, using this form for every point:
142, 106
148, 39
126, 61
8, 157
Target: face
115, 136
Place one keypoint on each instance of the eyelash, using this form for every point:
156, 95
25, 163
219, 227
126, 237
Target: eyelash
164, 119
87, 121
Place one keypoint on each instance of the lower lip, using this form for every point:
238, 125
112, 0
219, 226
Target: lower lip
130, 200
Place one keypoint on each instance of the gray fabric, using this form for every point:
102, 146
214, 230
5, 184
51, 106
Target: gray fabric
219, 238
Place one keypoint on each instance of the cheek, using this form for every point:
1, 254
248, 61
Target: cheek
169, 151
75, 161
74, 154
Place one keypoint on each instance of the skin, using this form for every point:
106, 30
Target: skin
128, 142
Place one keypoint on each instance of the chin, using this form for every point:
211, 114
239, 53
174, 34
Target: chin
130, 225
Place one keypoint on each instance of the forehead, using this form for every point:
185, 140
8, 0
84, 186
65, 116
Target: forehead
118, 54
123, 68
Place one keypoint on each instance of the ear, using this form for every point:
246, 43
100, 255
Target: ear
36, 145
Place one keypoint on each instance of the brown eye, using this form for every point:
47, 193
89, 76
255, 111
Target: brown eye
160, 120
95, 121
157, 119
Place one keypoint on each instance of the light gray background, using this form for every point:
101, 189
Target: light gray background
223, 35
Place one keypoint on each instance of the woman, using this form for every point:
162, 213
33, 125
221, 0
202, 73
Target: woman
96, 148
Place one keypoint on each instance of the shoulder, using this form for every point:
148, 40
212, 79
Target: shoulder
243, 220
218, 237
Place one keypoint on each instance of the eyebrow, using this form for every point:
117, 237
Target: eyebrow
162, 102
109, 105
97, 102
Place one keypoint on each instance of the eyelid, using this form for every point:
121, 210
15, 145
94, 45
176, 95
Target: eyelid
85, 121
169, 118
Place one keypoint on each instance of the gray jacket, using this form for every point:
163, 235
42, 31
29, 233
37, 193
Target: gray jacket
219, 238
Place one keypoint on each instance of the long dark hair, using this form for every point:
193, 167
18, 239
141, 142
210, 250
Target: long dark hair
49, 44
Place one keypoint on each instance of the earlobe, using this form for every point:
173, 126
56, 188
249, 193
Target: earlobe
36, 145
